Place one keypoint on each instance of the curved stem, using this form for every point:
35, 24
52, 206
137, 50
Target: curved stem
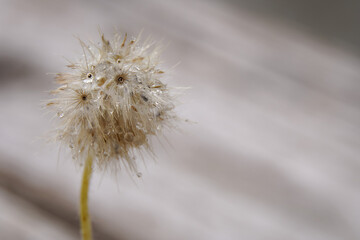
85, 221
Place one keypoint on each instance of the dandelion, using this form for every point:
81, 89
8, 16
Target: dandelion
109, 106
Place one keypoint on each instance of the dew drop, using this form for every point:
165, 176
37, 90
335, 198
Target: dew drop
129, 137
60, 114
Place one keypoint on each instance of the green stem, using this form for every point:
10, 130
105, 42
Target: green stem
85, 221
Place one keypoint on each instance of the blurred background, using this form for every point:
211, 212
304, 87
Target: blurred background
274, 153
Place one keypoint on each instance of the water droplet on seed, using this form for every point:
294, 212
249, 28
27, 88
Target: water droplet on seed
60, 114
129, 137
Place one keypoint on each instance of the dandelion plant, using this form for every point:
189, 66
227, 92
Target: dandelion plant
109, 105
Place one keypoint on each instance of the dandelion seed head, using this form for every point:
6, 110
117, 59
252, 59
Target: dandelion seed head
112, 101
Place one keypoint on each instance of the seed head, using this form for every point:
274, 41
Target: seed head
112, 102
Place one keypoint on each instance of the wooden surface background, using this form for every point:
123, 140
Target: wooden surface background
274, 153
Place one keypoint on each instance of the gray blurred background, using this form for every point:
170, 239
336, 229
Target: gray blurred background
274, 153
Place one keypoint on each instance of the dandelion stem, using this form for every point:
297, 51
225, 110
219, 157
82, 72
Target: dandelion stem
85, 220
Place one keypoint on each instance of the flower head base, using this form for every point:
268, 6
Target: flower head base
112, 102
